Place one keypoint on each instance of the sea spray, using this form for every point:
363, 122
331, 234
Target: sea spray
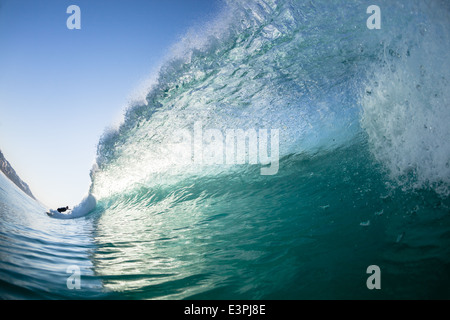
406, 102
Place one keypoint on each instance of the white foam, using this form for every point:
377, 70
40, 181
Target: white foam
87, 205
406, 111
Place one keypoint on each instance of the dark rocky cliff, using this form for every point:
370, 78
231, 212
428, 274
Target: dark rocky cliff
8, 170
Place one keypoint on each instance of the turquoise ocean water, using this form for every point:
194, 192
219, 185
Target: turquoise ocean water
363, 176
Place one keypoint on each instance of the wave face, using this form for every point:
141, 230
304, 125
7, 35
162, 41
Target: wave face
262, 65
364, 160
313, 71
360, 123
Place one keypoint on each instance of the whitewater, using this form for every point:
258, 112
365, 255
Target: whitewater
355, 122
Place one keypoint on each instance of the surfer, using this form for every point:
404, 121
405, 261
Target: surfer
60, 210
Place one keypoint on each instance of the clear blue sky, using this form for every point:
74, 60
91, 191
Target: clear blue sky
60, 88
